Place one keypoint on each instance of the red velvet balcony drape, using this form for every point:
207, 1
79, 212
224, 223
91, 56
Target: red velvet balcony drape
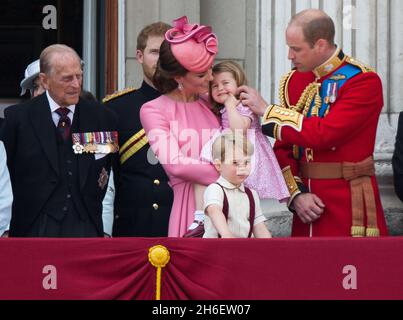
202, 269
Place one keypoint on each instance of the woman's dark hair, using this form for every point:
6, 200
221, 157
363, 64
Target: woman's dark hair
167, 69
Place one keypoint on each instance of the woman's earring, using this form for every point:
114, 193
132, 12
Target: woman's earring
180, 86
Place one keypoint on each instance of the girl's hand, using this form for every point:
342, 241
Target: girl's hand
231, 101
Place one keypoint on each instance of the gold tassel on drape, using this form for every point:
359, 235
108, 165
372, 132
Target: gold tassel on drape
159, 257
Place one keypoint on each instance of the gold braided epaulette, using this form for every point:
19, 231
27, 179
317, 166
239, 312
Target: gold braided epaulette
284, 100
118, 94
364, 68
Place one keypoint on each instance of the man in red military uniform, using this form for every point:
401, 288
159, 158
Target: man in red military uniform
325, 128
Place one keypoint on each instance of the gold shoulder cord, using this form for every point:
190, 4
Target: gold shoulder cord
117, 94
310, 93
304, 103
364, 68
284, 100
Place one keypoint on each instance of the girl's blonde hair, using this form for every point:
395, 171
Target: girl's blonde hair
237, 72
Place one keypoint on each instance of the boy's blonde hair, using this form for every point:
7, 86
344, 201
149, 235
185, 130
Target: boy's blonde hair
236, 71
231, 141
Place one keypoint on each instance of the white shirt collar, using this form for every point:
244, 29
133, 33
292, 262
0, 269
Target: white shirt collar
54, 106
228, 185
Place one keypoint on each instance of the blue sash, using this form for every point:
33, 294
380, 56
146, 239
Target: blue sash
346, 73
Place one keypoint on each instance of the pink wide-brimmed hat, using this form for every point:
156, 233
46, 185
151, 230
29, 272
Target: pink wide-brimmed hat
193, 45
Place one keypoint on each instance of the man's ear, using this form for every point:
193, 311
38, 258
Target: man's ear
140, 56
217, 164
44, 80
322, 45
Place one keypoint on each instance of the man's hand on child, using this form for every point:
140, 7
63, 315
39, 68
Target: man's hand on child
252, 98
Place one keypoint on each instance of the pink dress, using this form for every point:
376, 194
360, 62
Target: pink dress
176, 132
266, 177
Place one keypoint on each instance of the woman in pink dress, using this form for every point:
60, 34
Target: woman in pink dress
180, 122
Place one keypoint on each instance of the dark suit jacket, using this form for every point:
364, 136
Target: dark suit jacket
29, 137
143, 198
397, 160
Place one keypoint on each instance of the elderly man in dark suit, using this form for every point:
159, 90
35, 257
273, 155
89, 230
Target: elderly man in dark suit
59, 150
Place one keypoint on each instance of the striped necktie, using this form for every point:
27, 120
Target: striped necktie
64, 123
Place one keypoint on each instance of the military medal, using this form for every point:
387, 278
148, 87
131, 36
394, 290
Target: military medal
103, 178
328, 93
95, 142
338, 77
90, 148
333, 95
78, 148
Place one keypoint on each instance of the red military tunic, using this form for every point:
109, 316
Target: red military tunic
346, 134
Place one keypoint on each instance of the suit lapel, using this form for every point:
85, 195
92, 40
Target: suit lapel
83, 122
44, 128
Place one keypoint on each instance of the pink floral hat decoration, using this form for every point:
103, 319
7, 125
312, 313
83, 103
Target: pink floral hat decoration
193, 45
